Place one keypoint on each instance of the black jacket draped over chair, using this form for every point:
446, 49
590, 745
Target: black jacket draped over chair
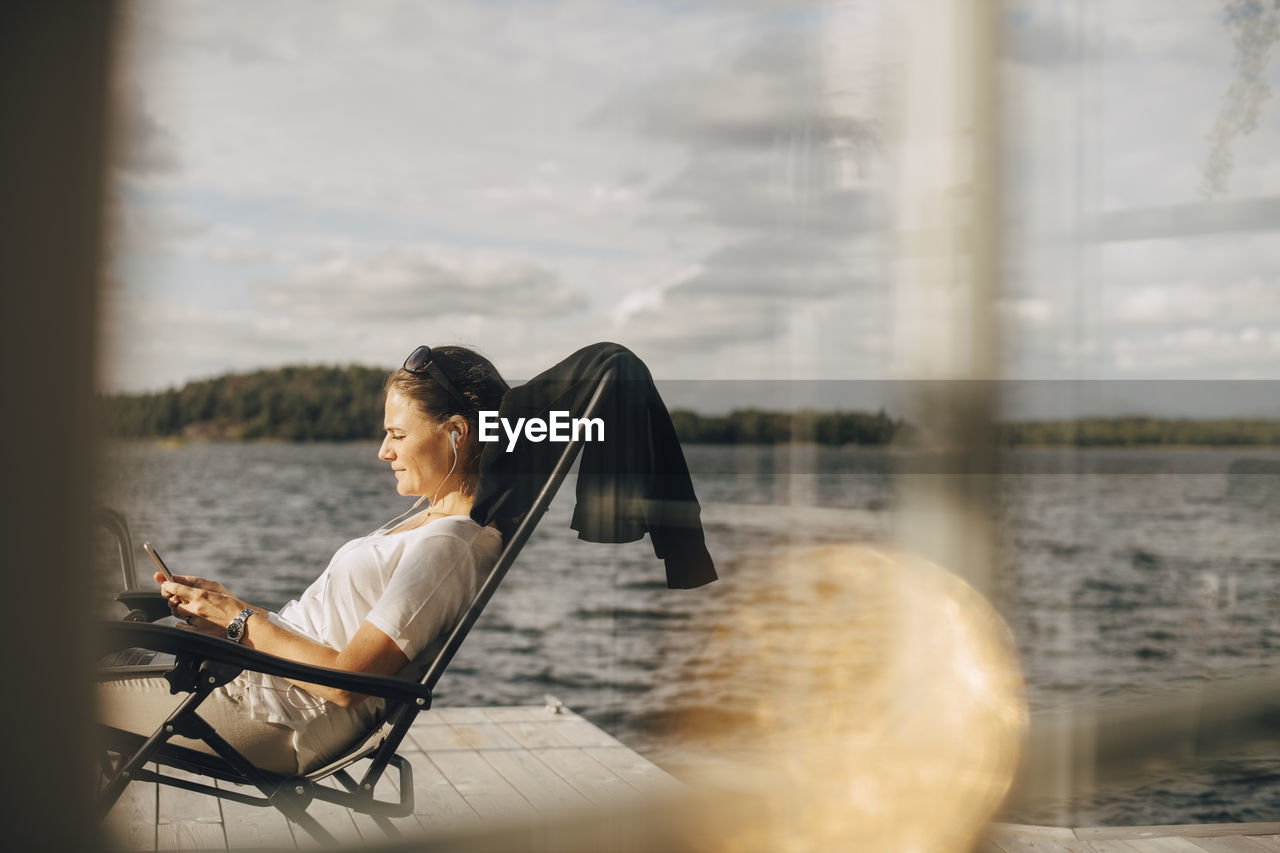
634, 481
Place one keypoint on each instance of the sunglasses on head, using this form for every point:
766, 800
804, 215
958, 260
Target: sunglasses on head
421, 362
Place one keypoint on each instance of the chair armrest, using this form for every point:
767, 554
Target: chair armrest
148, 601
183, 642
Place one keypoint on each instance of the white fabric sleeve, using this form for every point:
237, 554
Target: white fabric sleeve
426, 593
276, 619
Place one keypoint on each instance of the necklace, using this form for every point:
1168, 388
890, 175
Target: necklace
385, 525
391, 525
418, 521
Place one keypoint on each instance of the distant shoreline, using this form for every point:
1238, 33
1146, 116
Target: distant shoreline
299, 404
180, 441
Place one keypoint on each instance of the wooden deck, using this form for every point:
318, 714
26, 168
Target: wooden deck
478, 766
1194, 838
471, 766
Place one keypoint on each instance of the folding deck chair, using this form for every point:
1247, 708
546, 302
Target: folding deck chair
205, 663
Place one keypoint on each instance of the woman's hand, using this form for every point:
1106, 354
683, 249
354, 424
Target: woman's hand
191, 580
207, 606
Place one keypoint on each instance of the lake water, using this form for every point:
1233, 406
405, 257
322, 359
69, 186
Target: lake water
1121, 571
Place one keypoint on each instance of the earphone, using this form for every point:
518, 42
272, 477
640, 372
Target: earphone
453, 439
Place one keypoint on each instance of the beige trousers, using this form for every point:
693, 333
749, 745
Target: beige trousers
141, 704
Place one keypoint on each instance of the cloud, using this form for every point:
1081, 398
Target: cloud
781, 141
751, 290
143, 145
162, 339
237, 254
1177, 304
784, 266
157, 229
782, 135
1051, 41
1209, 260
772, 90
412, 282
227, 31
801, 187
1198, 351
313, 179
1029, 311
685, 320
1194, 308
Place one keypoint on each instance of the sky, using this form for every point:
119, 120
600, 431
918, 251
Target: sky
710, 184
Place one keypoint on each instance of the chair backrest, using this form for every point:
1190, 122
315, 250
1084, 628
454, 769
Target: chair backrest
116, 525
515, 542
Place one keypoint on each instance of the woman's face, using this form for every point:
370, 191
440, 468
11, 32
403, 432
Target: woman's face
416, 446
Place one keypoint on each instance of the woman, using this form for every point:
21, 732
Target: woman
378, 606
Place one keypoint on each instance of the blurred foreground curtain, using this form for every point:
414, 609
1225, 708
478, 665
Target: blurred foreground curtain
54, 103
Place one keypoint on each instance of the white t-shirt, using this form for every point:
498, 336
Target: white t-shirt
412, 586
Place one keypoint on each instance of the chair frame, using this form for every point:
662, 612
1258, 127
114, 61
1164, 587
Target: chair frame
205, 663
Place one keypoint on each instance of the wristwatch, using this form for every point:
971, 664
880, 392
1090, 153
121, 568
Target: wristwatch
235, 631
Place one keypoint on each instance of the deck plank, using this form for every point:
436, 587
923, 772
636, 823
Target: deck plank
641, 773
1020, 838
1189, 830
1230, 844
536, 734
190, 835
580, 732
1060, 832
451, 716
372, 833
388, 790
536, 782
483, 736
1165, 844
131, 822
474, 735
337, 820
249, 826
587, 776
517, 713
187, 820
437, 805
483, 787
1031, 843
434, 737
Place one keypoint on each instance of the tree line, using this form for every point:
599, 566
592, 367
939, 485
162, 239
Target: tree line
1137, 431
287, 403
755, 426
345, 403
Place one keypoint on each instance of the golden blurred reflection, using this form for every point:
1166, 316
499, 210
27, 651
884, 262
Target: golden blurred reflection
888, 708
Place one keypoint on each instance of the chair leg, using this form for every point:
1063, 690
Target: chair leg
297, 813
386, 825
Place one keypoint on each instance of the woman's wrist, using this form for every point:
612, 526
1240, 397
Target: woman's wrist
232, 610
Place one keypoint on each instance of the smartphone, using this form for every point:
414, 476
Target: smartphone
155, 558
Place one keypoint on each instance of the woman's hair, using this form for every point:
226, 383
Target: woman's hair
475, 378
